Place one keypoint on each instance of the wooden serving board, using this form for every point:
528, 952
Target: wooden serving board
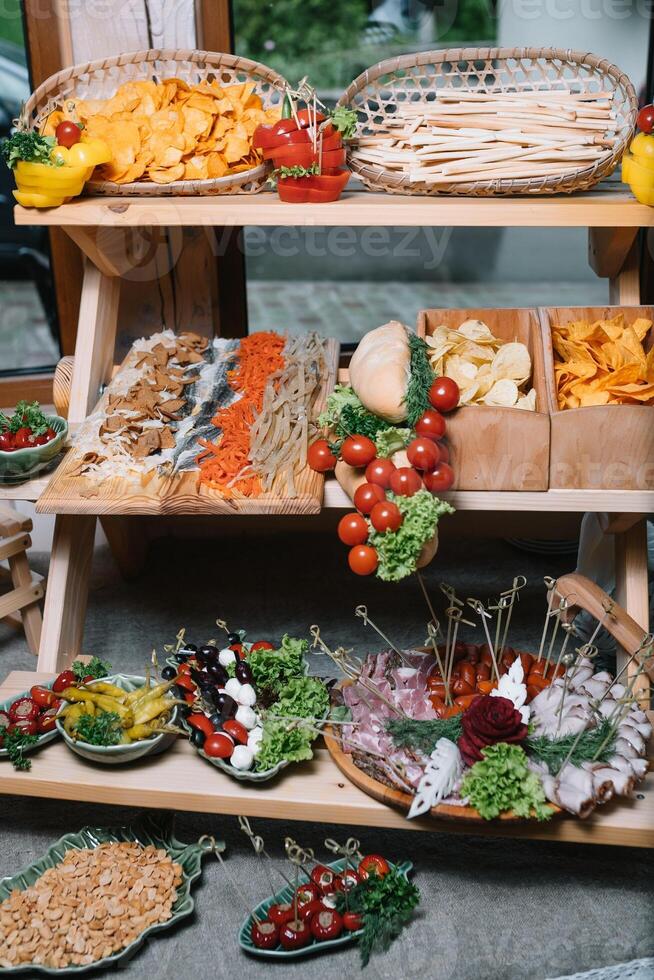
182, 494
402, 801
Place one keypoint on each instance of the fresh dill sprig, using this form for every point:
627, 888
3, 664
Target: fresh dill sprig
554, 752
422, 376
411, 733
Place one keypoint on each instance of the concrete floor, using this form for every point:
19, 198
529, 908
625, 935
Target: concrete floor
491, 910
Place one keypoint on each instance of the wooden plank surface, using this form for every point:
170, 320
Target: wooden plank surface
180, 494
356, 208
181, 780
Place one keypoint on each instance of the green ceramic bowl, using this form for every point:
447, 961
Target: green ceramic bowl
157, 830
285, 895
24, 463
43, 739
113, 755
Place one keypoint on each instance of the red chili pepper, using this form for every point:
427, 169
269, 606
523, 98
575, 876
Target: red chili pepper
24, 709
66, 679
326, 925
264, 935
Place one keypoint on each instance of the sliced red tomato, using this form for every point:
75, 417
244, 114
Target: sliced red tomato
262, 645
199, 721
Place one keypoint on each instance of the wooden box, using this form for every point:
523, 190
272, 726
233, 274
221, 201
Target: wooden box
495, 448
604, 447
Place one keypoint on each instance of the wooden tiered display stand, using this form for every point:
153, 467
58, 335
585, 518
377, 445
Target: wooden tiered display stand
180, 779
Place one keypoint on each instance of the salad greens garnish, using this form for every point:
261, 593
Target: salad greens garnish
95, 668
413, 733
385, 904
398, 551
27, 414
502, 781
272, 669
422, 376
28, 146
284, 741
102, 729
554, 752
344, 120
304, 697
15, 743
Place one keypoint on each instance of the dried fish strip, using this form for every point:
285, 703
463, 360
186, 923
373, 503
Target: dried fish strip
280, 434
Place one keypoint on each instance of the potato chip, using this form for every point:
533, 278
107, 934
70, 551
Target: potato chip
477, 360
171, 130
604, 362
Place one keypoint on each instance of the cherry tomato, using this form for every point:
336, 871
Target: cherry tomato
367, 495
362, 559
423, 454
264, 935
327, 924
261, 645
320, 457
200, 722
186, 683
405, 481
645, 119
358, 450
65, 679
43, 696
6, 442
67, 133
236, 730
352, 921
184, 669
308, 892
385, 516
47, 722
441, 478
373, 864
431, 425
25, 726
189, 698
379, 472
444, 450
295, 934
237, 648
24, 438
219, 746
322, 876
280, 913
347, 880
444, 394
353, 529
309, 909
24, 709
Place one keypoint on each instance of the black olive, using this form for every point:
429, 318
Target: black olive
233, 638
219, 674
199, 676
186, 652
244, 672
208, 652
168, 673
197, 738
216, 720
218, 698
229, 708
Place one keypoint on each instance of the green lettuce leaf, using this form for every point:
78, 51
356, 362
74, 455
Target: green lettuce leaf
398, 551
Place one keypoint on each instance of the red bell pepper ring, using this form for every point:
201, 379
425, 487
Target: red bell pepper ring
267, 134
314, 189
305, 155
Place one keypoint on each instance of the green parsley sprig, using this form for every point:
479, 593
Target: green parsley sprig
15, 743
95, 668
28, 146
385, 904
344, 120
25, 414
102, 729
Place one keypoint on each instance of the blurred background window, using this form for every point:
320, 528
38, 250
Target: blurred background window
28, 321
351, 280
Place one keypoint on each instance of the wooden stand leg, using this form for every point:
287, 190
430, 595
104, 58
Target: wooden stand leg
128, 542
21, 576
624, 289
631, 588
67, 592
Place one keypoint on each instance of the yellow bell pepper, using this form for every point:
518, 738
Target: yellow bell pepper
638, 168
41, 185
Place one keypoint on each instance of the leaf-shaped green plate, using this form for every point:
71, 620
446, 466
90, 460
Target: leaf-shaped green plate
157, 830
43, 739
285, 895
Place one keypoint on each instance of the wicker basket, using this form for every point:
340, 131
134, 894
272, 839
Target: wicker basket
377, 93
101, 79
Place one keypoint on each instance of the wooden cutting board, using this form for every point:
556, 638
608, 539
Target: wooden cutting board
181, 494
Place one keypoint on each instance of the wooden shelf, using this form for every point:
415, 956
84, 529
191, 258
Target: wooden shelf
596, 209
181, 780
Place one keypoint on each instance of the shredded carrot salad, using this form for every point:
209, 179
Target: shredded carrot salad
225, 465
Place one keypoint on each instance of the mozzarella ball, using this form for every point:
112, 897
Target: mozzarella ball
246, 695
226, 657
233, 688
246, 716
242, 757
